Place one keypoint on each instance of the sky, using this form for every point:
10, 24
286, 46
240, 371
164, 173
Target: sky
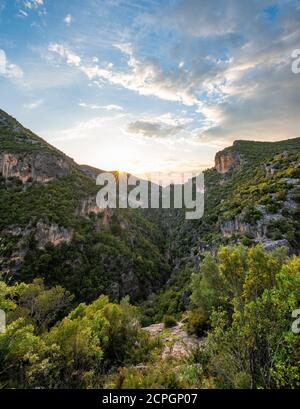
150, 85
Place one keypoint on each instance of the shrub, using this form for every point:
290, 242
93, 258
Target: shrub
281, 195
169, 321
197, 323
246, 241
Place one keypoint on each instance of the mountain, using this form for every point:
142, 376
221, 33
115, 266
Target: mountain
51, 226
219, 291
252, 196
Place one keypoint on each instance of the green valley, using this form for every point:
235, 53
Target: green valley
143, 298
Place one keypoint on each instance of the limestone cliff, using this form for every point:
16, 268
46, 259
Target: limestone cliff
33, 166
226, 160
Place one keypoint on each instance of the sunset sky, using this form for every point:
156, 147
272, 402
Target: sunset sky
149, 85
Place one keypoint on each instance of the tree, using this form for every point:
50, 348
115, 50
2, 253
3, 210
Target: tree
250, 343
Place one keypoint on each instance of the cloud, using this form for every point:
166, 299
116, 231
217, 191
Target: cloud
64, 52
68, 20
112, 107
7, 69
145, 77
90, 106
105, 107
231, 64
22, 13
34, 104
30, 4
215, 17
163, 126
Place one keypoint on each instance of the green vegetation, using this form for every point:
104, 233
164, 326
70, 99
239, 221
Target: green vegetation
64, 285
249, 296
77, 351
169, 321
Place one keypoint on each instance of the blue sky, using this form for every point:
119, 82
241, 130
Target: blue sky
150, 85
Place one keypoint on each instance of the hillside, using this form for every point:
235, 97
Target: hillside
51, 227
252, 196
213, 297
49, 216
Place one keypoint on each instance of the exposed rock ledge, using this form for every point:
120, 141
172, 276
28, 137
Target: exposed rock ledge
177, 342
43, 232
89, 205
36, 166
52, 233
226, 160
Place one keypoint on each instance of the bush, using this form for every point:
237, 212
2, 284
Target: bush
281, 195
252, 215
246, 241
169, 321
272, 208
197, 323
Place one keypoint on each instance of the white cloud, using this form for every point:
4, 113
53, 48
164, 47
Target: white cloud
144, 77
33, 104
105, 107
162, 126
69, 56
68, 20
90, 106
7, 69
30, 4
23, 13
112, 107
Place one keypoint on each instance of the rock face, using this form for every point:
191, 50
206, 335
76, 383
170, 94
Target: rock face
52, 233
177, 342
258, 230
43, 232
87, 206
270, 245
36, 166
226, 160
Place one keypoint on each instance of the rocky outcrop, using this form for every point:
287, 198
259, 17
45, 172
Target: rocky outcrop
269, 169
177, 342
52, 233
258, 230
88, 205
230, 227
33, 166
43, 232
270, 245
226, 160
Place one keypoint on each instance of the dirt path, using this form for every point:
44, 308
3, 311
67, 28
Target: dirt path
177, 342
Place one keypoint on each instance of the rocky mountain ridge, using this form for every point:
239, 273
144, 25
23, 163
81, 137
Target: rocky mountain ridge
51, 225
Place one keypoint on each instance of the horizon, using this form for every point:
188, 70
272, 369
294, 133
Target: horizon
142, 87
